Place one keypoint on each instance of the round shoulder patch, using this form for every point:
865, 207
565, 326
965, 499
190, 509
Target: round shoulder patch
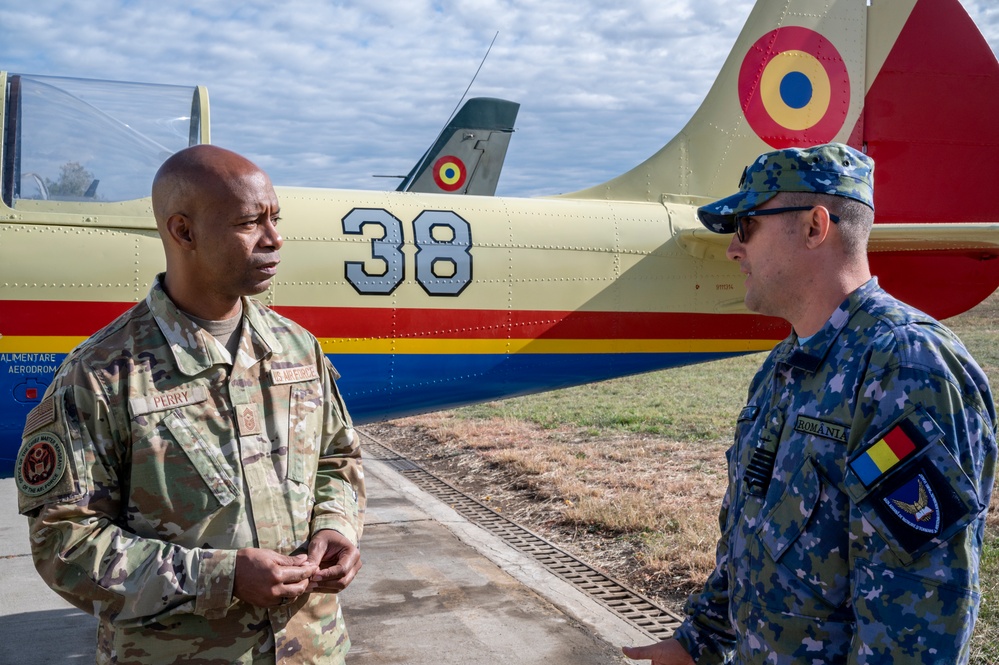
40, 464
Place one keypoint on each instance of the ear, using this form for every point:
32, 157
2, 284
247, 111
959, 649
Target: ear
818, 227
179, 228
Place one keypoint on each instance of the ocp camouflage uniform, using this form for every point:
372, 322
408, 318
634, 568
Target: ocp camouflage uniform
174, 458
862, 545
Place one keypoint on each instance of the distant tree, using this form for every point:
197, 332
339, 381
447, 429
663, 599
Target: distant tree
74, 180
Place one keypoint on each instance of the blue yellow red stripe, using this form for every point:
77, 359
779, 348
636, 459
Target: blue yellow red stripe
77, 319
395, 362
883, 456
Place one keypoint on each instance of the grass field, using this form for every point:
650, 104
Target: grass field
628, 474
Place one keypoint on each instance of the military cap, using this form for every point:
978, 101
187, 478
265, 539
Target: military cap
832, 168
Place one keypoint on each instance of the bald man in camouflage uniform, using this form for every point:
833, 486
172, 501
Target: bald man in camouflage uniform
864, 458
191, 475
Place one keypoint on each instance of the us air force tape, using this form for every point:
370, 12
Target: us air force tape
41, 464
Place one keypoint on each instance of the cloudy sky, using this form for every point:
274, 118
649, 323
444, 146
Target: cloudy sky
328, 93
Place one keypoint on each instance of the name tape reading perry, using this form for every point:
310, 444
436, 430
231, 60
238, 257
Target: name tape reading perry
163, 401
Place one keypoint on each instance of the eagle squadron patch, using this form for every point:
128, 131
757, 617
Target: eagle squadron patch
916, 504
922, 506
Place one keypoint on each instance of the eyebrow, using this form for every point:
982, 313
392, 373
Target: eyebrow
258, 212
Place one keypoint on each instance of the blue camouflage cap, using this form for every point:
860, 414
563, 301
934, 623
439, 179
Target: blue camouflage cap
832, 168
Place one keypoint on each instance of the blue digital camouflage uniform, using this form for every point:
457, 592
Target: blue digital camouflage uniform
154, 457
862, 545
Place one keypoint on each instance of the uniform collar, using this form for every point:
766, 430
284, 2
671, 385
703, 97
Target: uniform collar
810, 355
193, 349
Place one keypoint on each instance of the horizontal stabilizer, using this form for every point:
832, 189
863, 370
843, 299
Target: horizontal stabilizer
704, 244
943, 269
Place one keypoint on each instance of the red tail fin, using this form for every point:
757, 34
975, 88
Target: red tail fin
929, 123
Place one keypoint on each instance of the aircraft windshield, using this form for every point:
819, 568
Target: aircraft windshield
94, 141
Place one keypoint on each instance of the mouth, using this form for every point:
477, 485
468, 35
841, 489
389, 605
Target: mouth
269, 268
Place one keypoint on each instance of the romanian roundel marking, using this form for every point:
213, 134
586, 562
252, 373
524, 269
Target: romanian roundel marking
794, 88
40, 464
450, 173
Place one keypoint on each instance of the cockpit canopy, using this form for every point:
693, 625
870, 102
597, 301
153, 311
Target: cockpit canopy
84, 140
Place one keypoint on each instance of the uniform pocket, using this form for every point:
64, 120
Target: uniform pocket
305, 426
802, 638
789, 517
177, 479
805, 536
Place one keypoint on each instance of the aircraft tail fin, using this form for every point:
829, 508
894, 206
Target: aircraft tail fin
897, 78
910, 82
468, 156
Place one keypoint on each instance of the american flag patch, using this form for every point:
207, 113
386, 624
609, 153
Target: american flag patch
40, 416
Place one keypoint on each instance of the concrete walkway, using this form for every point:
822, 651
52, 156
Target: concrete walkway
435, 589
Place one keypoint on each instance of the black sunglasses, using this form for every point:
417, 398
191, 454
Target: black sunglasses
740, 229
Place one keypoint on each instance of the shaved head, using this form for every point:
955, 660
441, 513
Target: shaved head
196, 178
216, 213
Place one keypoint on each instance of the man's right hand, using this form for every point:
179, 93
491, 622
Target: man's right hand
267, 579
667, 652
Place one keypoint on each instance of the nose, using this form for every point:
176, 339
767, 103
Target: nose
735, 249
271, 237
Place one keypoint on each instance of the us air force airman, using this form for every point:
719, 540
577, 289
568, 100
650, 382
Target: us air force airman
864, 458
191, 475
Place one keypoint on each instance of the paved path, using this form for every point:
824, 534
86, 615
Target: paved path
435, 589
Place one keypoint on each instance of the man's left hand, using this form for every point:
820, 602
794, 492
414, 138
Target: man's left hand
338, 560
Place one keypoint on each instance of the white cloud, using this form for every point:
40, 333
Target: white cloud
328, 94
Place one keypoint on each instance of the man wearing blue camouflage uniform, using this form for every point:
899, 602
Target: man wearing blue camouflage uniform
864, 458
191, 475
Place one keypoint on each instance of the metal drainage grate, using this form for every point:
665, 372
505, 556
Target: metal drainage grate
655, 621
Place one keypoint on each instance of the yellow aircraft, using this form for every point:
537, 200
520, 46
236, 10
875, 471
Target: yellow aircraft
426, 301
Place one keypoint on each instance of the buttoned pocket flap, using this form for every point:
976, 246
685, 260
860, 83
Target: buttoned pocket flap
790, 515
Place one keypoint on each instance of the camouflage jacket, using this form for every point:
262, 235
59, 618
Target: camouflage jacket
859, 480
152, 459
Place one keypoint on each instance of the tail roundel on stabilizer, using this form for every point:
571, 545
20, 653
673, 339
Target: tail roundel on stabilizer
910, 82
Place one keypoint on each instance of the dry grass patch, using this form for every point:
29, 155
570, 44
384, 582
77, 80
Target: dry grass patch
620, 499
628, 475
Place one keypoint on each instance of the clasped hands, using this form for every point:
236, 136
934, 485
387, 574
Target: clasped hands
265, 578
